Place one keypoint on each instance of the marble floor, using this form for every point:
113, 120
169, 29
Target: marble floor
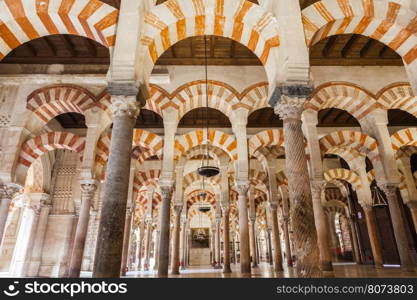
265, 271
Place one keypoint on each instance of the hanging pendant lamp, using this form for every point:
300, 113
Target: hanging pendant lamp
206, 170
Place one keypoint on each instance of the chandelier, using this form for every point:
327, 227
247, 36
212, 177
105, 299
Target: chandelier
207, 170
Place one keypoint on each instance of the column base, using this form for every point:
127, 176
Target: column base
378, 266
218, 266
227, 270
175, 272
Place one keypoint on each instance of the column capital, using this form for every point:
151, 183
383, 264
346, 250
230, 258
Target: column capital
166, 191
88, 186
273, 205
7, 191
317, 186
125, 106
288, 100
242, 187
177, 209
225, 207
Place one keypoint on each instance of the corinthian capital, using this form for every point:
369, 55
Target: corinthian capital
390, 189
88, 187
7, 191
166, 191
242, 187
288, 100
317, 186
125, 106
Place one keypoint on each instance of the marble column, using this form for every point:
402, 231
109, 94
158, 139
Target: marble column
7, 193
390, 191
252, 241
139, 247
242, 189
175, 267
183, 242
270, 255
109, 248
333, 242
288, 254
412, 205
356, 252
226, 238
320, 221
39, 238
289, 103
126, 241
217, 263
373, 237
88, 188
156, 248
275, 238
148, 242
163, 255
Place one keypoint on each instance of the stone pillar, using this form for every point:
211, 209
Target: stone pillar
113, 213
242, 188
287, 241
271, 261
217, 264
390, 191
275, 237
373, 237
321, 226
175, 268
126, 241
163, 255
357, 255
139, 247
226, 238
333, 242
36, 255
156, 248
412, 205
88, 188
183, 242
289, 103
148, 242
7, 192
252, 241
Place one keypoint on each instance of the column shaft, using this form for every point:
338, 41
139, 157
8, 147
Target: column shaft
88, 189
175, 268
126, 240
163, 255
288, 254
148, 242
252, 239
373, 237
390, 191
244, 231
226, 241
413, 212
4, 212
276, 240
113, 213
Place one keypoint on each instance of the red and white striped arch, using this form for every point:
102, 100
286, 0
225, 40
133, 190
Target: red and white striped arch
399, 96
240, 20
404, 137
216, 138
35, 147
343, 174
384, 21
270, 137
193, 178
49, 102
25, 20
196, 197
257, 177
350, 139
345, 96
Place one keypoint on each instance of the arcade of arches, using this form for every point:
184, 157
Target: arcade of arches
311, 110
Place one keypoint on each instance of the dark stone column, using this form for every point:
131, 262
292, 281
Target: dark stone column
163, 260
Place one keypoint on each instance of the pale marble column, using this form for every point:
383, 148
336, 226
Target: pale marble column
36, 253
252, 241
412, 205
275, 237
217, 263
390, 191
183, 242
163, 255
242, 188
373, 237
321, 226
88, 188
148, 242
226, 238
139, 247
270, 255
288, 254
175, 263
289, 103
113, 213
156, 248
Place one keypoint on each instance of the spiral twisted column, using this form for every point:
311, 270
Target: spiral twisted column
390, 190
288, 102
109, 248
88, 189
